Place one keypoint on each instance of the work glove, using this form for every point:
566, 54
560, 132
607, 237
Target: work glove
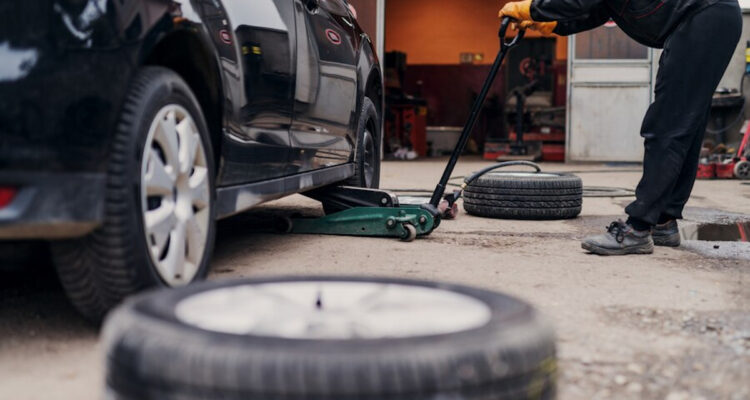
545, 28
518, 10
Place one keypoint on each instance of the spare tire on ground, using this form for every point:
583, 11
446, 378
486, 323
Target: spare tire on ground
328, 339
525, 195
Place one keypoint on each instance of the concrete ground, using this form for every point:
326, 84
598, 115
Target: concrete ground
674, 325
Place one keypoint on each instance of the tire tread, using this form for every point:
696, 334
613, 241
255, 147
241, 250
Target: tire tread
525, 197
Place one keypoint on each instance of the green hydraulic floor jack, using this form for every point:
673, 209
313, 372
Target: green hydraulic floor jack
356, 211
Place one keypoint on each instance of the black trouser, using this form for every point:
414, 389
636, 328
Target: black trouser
693, 62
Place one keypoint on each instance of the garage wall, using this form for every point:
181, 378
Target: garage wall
450, 91
435, 32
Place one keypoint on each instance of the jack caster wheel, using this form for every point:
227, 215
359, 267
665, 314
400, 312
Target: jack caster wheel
285, 224
411, 233
742, 170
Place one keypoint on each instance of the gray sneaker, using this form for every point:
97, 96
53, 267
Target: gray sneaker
620, 239
667, 235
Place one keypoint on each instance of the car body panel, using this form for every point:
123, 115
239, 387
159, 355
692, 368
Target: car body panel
55, 110
234, 199
326, 90
67, 65
263, 38
45, 209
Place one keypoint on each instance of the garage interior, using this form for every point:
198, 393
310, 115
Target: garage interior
436, 57
437, 53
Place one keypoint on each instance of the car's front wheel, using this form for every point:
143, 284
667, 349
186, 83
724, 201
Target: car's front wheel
158, 227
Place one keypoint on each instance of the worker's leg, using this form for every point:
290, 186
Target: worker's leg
693, 62
684, 186
667, 231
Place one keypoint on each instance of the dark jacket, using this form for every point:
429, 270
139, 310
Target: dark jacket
648, 21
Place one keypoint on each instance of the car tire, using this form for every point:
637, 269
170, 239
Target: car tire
367, 152
526, 196
161, 139
274, 339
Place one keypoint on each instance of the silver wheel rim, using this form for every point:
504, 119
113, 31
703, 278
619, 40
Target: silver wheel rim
743, 169
333, 311
175, 195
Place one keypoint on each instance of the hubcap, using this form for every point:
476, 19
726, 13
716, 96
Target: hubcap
369, 158
743, 170
175, 195
333, 310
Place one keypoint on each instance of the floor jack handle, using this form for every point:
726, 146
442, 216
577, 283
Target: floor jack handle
505, 46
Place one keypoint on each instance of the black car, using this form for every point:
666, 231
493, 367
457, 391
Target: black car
128, 127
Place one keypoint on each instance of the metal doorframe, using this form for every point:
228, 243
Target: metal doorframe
651, 61
380, 31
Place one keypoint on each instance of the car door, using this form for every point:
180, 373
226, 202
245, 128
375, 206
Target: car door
325, 100
257, 144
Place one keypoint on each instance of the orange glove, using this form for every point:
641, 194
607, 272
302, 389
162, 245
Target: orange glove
545, 28
518, 10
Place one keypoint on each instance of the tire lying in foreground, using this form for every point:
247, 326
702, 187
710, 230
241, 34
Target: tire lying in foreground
328, 338
525, 195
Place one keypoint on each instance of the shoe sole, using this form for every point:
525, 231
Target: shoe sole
673, 240
642, 249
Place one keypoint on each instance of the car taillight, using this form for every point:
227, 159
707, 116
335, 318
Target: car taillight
6, 195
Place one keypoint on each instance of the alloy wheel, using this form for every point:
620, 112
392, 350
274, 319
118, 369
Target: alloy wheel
333, 311
369, 160
175, 195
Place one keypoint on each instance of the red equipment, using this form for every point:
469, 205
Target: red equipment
408, 126
742, 163
706, 171
727, 166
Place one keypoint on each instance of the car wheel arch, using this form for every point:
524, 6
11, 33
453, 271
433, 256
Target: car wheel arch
374, 89
179, 51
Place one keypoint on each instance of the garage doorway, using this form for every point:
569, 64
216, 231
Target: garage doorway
610, 89
437, 55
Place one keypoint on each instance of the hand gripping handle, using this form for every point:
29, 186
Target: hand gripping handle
504, 43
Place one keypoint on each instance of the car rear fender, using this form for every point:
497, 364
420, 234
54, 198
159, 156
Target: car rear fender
174, 35
189, 53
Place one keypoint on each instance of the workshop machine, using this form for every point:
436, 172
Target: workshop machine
537, 130
720, 163
520, 149
377, 213
742, 160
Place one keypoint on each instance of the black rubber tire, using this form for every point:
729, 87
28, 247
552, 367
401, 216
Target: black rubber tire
150, 354
98, 271
525, 196
369, 120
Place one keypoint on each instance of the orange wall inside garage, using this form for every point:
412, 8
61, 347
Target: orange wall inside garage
435, 32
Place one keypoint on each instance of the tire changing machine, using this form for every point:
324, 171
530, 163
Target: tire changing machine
356, 211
